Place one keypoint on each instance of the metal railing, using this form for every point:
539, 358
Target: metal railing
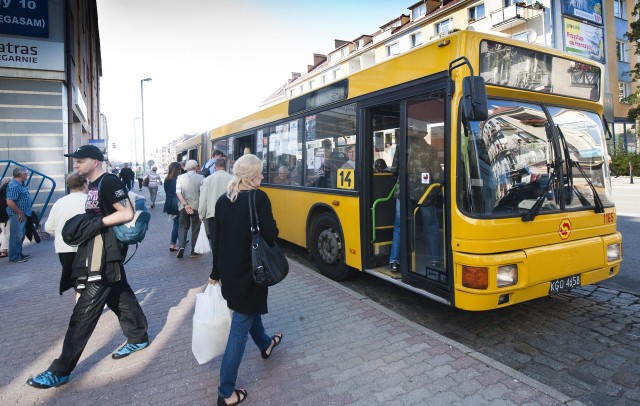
41, 176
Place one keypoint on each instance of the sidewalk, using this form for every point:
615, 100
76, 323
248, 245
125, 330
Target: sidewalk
339, 348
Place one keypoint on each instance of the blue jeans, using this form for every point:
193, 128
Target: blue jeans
153, 192
174, 230
241, 325
395, 243
431, 227
16, 237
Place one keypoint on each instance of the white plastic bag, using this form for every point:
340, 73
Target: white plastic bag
211, 324
202, 243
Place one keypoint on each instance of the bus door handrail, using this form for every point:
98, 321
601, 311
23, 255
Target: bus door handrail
8, 164
373, 210
422, 199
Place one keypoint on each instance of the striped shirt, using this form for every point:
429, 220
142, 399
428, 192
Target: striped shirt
19, 193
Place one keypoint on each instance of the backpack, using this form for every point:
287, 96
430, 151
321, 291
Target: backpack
4, 217
206, 171
134, 231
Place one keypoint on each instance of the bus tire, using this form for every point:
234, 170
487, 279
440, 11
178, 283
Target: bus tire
327, 247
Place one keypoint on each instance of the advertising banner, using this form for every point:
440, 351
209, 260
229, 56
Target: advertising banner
31, 54
585, 40
29, 18
590, 10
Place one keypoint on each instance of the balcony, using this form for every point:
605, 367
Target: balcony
513, 15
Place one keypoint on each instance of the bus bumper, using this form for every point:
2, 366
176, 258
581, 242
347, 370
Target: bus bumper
542, 271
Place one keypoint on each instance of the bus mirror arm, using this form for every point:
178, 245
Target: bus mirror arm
474, 92
607, 131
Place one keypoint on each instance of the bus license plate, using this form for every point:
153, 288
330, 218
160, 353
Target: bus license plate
564, 284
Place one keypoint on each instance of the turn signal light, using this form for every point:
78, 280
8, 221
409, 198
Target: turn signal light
475, 277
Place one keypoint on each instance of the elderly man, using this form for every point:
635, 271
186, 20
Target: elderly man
213, 187
188, 192
18, 209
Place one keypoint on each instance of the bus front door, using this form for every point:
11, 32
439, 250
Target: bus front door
421, 192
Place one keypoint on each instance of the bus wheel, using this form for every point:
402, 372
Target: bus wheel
327, 247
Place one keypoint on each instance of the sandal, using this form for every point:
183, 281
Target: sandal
238, 393
276, 339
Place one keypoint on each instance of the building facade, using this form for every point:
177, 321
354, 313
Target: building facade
50, 68
591, 29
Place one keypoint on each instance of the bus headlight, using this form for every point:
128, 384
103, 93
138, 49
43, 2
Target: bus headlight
613, 252
475, 277
507, 275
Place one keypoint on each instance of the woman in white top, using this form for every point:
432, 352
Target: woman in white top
154, 181
62, 210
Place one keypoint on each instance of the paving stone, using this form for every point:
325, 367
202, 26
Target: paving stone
339, 348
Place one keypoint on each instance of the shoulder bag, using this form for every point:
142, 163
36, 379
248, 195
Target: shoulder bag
269, 265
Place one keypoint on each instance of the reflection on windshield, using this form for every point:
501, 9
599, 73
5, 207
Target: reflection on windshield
508, 158
582, 132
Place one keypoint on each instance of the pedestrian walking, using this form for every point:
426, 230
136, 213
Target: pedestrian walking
98, 271
19, 210
213, 187
154, 181
140, 177
126, 176
171, 201
4, 219
188, 192
63, 209
232, 235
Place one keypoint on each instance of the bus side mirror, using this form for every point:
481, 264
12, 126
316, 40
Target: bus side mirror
474, 98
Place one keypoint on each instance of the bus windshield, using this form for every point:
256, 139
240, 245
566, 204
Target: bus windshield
507, 161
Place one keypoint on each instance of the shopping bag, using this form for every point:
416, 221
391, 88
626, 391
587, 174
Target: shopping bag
211, 324
202, 243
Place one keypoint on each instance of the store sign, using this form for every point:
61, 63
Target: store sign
585, 40
590, 10
31, 54
28, 18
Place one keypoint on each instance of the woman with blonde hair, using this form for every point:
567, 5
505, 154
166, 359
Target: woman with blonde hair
232, 236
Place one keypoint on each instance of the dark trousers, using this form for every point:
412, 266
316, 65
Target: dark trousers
212, 228
66, 260
121, 300
186, 221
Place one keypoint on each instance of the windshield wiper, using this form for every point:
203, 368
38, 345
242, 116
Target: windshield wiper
535, 209
596, 197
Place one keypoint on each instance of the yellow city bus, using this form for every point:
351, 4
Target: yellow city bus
484, 190
194, 147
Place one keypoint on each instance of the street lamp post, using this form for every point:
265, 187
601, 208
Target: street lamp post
144, 154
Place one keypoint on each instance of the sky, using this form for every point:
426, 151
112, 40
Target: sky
212, 61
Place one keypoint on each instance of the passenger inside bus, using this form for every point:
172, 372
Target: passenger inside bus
380, 166
351, 158
283, 177
423, 169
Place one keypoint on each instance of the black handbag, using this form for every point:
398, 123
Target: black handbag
268, 263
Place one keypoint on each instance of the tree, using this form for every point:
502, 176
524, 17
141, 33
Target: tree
634, 36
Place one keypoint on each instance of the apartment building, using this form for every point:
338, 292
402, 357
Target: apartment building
590, 29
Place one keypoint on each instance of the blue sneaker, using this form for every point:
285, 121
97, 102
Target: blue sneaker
128, 349
47, 380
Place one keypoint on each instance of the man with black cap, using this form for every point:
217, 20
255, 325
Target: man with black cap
108, 201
